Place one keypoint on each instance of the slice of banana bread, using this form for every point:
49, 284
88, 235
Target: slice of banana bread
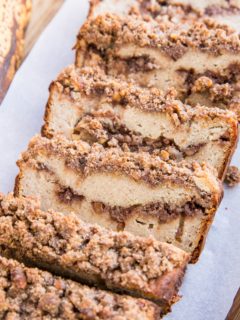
201, 60
88, 105
30, 293
63, 244
136, 192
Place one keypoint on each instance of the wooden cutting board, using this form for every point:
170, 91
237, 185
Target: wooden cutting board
14, 18
42, 13
13, 50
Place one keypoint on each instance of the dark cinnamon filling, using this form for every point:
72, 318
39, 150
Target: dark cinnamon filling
140, 64
112, 133
164, 212
224, 84
133, 64
231, 75
41, 167
67, 195
115, 134
216, 10
147, 63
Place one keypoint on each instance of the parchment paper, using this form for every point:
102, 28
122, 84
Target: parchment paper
210, 285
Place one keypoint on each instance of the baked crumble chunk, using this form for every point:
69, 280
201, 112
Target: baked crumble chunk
233, 176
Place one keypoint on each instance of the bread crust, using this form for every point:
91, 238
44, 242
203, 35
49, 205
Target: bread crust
15, 15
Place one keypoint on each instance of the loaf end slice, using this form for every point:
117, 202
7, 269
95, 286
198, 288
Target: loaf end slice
119, 261
30, 293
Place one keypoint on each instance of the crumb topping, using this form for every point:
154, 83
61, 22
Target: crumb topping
94, 83
160, 8
175, 11
119, 260
29, 293
111, 31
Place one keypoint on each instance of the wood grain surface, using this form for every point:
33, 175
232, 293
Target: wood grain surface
14, 18
234, 313
42, 13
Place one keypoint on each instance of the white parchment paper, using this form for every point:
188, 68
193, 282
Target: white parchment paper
210, 285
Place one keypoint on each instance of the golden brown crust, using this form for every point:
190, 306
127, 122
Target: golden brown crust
14, 16
120, 261
205, 228
30, 293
